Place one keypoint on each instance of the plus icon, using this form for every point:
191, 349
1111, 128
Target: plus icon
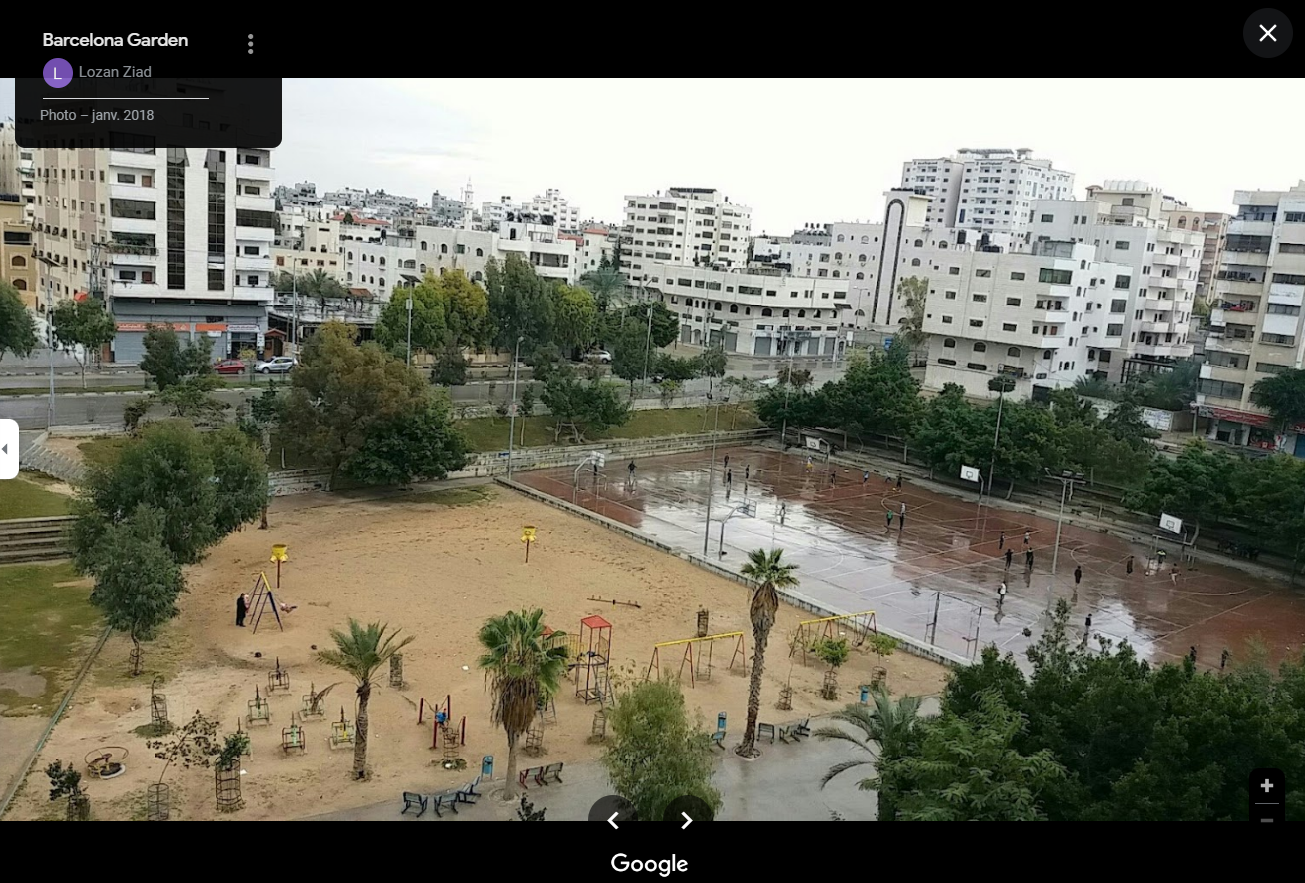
1267, 786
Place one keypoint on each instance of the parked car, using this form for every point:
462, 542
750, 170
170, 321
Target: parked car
230, 366
602, 357
279, 365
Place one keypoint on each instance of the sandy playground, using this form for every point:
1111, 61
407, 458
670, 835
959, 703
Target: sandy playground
436, 571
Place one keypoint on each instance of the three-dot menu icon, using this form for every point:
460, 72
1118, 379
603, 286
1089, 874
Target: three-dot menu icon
1268, 795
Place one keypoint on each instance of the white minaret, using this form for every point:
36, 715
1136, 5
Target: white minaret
468, 206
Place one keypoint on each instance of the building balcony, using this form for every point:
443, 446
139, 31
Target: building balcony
1054, 317
254, 234
1158, 326
1233, 288
133, 225
1238, 227
260, 262
1160, 304
1282, 293
255, 174
137, 158
1157, 281
1216, 341
1223, 372
1167, 260
255, 203
133, 191
1163, 350
253, 293
119, 288
1245, 258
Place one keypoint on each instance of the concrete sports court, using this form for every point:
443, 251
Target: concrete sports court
936, 578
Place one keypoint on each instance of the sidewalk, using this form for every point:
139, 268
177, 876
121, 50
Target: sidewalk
781, 785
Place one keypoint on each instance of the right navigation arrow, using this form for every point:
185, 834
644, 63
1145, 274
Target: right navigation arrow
687, 821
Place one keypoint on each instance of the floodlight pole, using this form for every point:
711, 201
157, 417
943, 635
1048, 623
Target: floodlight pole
1067, 480
711, 478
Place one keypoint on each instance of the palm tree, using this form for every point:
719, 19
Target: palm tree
886, 729
769, 573
523, 672
361, 652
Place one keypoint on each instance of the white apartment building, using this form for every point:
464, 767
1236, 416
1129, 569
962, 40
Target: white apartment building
1127, 223
17, 171
752, 312
494, 213
382, 259
304, 245
593, 246
566, 217
986, 190
1038, 317
686, 226
1255, 323
446, 210
179, 236
1214, 227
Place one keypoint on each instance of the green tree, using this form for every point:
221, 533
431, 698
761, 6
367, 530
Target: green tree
631, 353
523, 671
1028, 442
606, 284
968, 769
876, 394
191, 398
1199, 485
1284, 397
203, 485
1172, 390
17, 327
420, 446
585, 406
82, 328
912, 291
797, 378
1272, 502
430, 321
341, 392
361, 652
520, 304
466, 310
168, 363
137, 581
655, 753
450, 368
672, 368
769, 574
576, 314
712, 362
886, 729
950, 431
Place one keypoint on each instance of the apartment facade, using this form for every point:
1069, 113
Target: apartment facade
988, 190
566, 217
1255, 320
179, 236
17, 256
1036, 317
17, 171
1127, 223
1214, 227
686, 226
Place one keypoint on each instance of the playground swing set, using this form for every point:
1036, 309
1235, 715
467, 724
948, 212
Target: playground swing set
831, 628
699, 660
454, 736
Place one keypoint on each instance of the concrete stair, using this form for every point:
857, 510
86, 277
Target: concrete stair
24, 540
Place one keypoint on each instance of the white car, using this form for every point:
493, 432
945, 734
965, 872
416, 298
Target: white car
602, 357
279, 365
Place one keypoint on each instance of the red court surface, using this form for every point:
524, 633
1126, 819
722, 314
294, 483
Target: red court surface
935, 579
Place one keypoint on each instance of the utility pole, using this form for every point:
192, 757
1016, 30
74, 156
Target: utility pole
711, 477
1067, 480
512, 412
409, 305
788, 387
647, 350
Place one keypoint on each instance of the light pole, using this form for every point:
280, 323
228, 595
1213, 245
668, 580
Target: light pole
1000, 385
409, 305
512, 412
647, 348
49, 335
788, 386
711, 476
1067, 480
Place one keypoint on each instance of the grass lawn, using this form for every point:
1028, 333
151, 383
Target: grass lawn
22, 498
48, 622
490, 433
102, 451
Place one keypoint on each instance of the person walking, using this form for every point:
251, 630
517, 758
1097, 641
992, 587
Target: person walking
1078, 574
727, 461
865, 476
1026, 539
1173, 575
899, 481
783, 510
1087, 623
729, 476
747, 471
630, 470
888, 518
242, 608
1010, 553
1223, 659
902, 515
808, 465
1191, 654
1001, 541
1129, 565
832, 475
1028, 560
1001, 594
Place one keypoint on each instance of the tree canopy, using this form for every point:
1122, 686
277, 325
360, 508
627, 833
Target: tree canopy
81, 328
1284, 396
17, 327
168, 362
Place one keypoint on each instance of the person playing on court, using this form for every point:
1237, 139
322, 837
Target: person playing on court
729, 476
783, 510
1001, 541
630, 469
809, 464
1010, 553
1001, 593
888, 518
727, 461
899, 481
1078, 574
832, 475
902, 513
865, 476
1129, 565
747, 471
1026, 539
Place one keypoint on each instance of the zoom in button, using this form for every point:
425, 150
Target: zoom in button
1267, 33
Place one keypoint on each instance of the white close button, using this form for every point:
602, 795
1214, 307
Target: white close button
8, 449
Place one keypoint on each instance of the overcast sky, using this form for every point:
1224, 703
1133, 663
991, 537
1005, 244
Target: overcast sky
797, 151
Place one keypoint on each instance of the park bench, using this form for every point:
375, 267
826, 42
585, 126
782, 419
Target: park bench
467, 793
718, 739
444, 800
795, 730
527, 774
766, 730
550, 773
412, 800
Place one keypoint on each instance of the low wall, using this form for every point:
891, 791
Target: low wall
911, 645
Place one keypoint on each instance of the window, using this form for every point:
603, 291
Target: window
444, 248
954, 271
480, 252
1118, 306
1283, 309
1225, 360
1013, 301
1114, 330
915, 262
860, 276
124, 178
983, 274
131, 208
1017, 277
976, 323
946, 361
949, 343
1123, 281
979, 298
1294, 217
1285, 279
1278, 339
1055, 277
1291, 248
977, 366
1009, 326
919, 243
1013, 352
861, 257
1047, 219
1121, 245
1224, 389
949, 295
947, 320
1269, 368
980, 347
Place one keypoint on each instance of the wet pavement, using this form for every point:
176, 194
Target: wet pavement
937, 577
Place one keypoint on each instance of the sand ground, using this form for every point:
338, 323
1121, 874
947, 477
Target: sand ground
435, 571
